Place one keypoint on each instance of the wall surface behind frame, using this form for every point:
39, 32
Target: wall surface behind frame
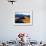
7, 11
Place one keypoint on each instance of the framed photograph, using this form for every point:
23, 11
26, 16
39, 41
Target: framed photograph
23, 18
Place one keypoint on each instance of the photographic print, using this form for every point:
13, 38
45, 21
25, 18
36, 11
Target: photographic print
23, 18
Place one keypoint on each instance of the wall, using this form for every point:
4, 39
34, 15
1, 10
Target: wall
9, 31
